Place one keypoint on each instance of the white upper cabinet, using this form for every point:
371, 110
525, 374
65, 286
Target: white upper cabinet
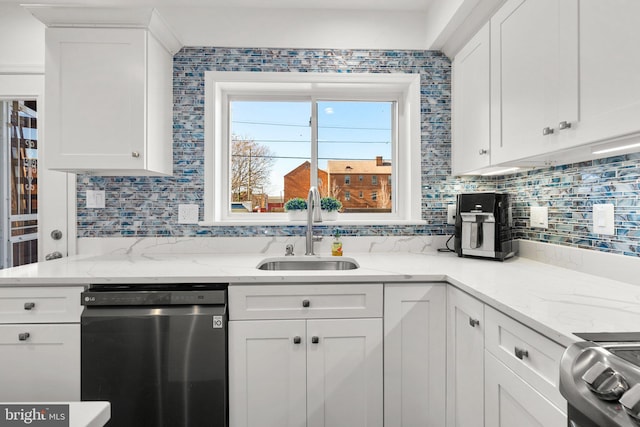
606, 72
525, 81
563, 79
471, 105
108, 93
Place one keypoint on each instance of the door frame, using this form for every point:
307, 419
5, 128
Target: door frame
56, 190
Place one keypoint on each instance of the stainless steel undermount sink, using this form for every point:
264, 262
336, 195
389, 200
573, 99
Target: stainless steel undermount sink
308, 263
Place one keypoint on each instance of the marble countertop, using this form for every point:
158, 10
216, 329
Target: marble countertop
555, 301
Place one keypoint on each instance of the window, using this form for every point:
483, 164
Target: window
374, 180
360, 178
374, 196
361, 194
269, 136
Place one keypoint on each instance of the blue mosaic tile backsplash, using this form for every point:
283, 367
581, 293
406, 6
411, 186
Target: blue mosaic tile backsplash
148, 206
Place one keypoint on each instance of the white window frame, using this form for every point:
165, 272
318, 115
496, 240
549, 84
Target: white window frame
220, 86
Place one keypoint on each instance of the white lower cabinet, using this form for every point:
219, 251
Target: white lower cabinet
414, 355
40, 344
305, 372
314, 373
465, 360
267, 373
39, 362
449, 359
510, 401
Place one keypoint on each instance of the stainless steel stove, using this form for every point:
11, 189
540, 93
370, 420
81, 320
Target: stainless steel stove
600, 378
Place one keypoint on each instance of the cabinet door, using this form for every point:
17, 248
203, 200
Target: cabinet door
465, 360
41, 366
609, 81
95, 98
344, 371
525, 53
509, 401
267, 373
415, 355
471, 105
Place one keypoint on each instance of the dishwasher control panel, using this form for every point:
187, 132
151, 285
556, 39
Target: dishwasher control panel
154, 295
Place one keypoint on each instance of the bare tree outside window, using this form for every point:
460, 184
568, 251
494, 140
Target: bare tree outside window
384, 201
251, 165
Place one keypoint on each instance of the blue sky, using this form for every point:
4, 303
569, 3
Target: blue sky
346, 130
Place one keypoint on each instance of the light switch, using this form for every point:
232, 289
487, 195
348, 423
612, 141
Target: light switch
603, 219
539, 217
95, 199
188, 214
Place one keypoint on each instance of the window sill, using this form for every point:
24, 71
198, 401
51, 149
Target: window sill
304, 223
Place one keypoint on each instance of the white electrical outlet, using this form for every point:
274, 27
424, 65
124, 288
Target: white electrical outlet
188, 214
539, 217
95, 199
451, 214
603, 219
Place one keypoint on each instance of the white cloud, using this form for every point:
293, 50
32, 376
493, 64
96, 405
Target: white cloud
328, 110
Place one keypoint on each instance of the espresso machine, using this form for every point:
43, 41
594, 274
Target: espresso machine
483, 226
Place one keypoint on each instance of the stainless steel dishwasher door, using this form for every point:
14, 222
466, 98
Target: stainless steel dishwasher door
158, 366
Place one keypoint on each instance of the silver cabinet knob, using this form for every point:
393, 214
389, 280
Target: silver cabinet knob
24, 336
520, 353
547, 131
473, 322
564, 125
306, 303
606, 383
297, 340
483, 151
29, 305
135, 154
315, 340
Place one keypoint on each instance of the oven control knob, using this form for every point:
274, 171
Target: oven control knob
606, 383
630, 401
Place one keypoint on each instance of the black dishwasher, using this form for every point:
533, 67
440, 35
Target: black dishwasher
158, 353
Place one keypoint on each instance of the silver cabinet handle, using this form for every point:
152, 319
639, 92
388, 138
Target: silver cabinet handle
24, 336
520, 353
29, 305
297, 340
306, 303
547, 131
473, 322
135, 154
483, 151
315, 340
564, 125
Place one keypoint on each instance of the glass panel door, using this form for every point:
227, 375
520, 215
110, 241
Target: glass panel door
20, 183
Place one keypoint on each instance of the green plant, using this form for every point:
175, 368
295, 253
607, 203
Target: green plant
330, 204
295, 204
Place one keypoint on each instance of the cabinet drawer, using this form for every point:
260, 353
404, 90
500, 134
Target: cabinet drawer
305, 301
43, 366
532, 356
40, 305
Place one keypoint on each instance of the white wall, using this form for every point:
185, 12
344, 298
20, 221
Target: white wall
297, 28
21, 41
